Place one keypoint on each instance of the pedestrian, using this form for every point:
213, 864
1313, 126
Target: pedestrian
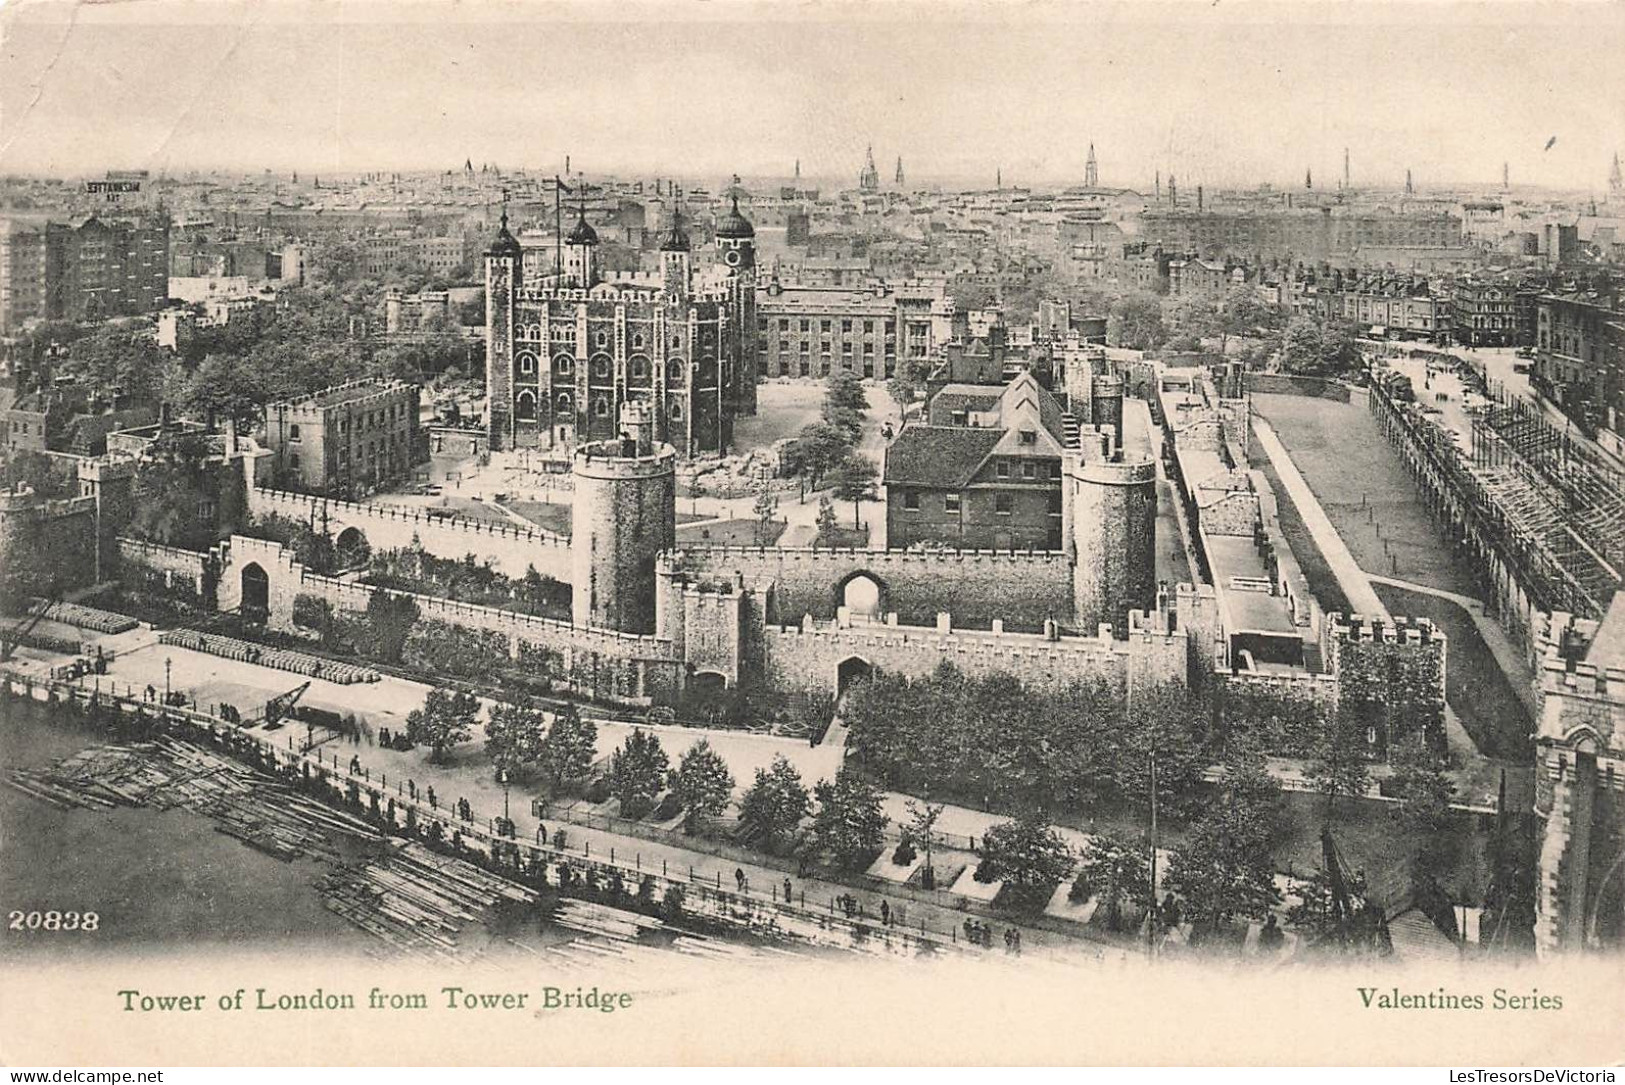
1009, 939
970, 931
433, 805
412, 790
885, 914
739, 878
787, 893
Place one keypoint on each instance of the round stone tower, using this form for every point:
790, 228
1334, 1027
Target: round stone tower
625, 514
1113, 511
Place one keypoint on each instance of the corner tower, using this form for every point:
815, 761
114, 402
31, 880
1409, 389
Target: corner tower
503, 261
736, 247
625, 514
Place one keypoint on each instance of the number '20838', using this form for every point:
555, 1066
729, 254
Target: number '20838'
53, 921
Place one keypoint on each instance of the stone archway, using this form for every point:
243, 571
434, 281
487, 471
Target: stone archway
850, 671
862, 593
351, 548
256, 597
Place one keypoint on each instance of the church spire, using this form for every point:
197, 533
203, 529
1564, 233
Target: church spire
1091, 170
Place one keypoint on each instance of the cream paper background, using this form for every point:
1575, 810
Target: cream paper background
814, 1012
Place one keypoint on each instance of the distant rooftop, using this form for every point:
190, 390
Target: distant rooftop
340, 394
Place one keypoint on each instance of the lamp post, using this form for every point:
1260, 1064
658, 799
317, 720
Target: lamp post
167, 663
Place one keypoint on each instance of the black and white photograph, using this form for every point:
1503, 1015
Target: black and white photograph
812, 534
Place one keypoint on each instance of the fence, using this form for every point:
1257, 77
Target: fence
703, 897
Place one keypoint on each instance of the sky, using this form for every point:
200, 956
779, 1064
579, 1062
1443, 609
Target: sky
1215, 91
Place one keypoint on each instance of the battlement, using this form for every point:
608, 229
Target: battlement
363, 390
1360, 628
302, 506
1561, 674
675, 561
1116, 472
606, 460
615, 291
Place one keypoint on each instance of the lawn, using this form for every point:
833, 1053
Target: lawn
1475, 686
781, 411
1367, 493
544, 514
729, 532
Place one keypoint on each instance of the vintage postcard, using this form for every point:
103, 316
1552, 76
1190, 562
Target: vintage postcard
809, 534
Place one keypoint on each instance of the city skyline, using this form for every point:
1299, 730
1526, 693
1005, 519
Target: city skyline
747, 89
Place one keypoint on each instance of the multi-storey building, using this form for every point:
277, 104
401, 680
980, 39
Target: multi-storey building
983, 473
22, 274
105, 268
1311, 234
1483, 312
346, 440
1580, 354
566, 350
813, 331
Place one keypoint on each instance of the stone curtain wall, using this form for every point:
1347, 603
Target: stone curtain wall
601, 663
173, 571
806, 659
977, 587
511, 549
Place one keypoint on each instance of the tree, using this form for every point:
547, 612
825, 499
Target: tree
1114, 871
446, 719
826, 518
1223, 871
777, 801
819, 447
849, 822
1135, 322
26, 467
854, 480
1300, 346
1189, 318
568, 751
1242, 312
1423, 814
1339, 766
513, 738
844, 403
767, 511
922, 822
390, 617
1028, 856
703, 783
637, 771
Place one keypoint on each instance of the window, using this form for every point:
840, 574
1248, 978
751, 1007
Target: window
676, 411
1004, 468
564, 403
637, 341
1002, 504
846, 325
293, 461
293, 431
600, 368
1029, 470
950, 503
806, 325
601, 339
525, 407
1029, 437
600, 407
784, 324
563, 364
824, 326
640, 367
527, 363
911, 500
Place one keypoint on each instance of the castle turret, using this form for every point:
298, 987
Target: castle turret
736, 244
503, 262
625, 514
1112, 505
580, 247
675, 258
